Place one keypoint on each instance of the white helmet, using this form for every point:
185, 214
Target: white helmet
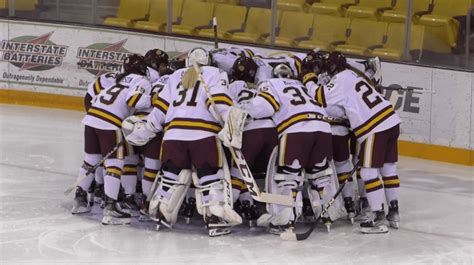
199, 56
282, 71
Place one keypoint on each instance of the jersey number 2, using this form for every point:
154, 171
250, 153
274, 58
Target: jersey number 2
366, 94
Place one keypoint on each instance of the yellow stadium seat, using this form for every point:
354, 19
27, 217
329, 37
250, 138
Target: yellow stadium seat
230, 2
369, 9
129, 11
331, 7
159, 15
292, 5
25, 5
365, 35
195, 15
325, 39
3, 4
441, 30
293, 26
395, 45
399, 11
229, 18
257, 26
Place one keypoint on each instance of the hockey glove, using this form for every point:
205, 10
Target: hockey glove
231, 134
136, 132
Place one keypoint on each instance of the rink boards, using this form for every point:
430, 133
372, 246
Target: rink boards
50, 65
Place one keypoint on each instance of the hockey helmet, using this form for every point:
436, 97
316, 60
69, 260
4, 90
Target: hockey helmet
199, 56
135, 64
314, 62
156, 59
282, 71
244, 69
336, 62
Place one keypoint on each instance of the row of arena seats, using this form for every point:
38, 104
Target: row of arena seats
298, 28
20, 5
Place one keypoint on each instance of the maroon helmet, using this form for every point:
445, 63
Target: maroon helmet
154, 58
336, 62
135, 64
315, 62
244, 69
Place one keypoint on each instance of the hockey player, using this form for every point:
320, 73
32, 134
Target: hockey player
186, 115
102, 134
224, 59
376, 128
157, 63
304, 144
267, 64
259, 137
314, 70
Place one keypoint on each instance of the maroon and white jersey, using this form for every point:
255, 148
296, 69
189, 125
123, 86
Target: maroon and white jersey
102, 82
348, 94
225, 58
287, 102
156, 88
186, 114
266, 65
240, 92
119, 101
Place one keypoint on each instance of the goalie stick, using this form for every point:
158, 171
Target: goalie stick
289, 235
241, 163
92, 169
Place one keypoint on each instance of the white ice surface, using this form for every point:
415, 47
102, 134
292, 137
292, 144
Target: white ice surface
41, 151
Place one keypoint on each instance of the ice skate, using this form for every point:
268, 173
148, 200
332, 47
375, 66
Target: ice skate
374, 224
278, 229
362, 209
80, 203
189, 209
99, 195
326, 220
217, 226
392, 217
113, 215
144, 216
130, 206
249, 212
350, 209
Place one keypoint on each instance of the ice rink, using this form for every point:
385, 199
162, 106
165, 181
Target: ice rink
41, 152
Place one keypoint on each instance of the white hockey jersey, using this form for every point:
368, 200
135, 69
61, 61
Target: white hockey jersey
266, 65
349, 94
186, 114
289, 105
102, 82
239, 91
117, 102
225, 58
156, 88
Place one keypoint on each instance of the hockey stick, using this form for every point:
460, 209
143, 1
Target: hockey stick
241, 163
292, 236
214, 25
92, 169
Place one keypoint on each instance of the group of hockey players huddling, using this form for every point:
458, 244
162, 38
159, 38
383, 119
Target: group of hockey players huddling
165, 128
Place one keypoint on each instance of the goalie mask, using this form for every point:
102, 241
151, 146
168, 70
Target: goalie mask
244, 69
336, 62
282, 71
199, 56
135, 64
314, 62
157, 59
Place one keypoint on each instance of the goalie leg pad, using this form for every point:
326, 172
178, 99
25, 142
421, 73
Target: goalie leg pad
283, 184
170, 195
214, 196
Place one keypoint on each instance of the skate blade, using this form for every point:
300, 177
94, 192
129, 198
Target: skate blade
252, 223
374, 230
328, 227
160, 223
394, 224
188, 220
213, 232
80, 210
109, 220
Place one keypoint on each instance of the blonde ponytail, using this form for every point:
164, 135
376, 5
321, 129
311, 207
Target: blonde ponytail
190, 78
